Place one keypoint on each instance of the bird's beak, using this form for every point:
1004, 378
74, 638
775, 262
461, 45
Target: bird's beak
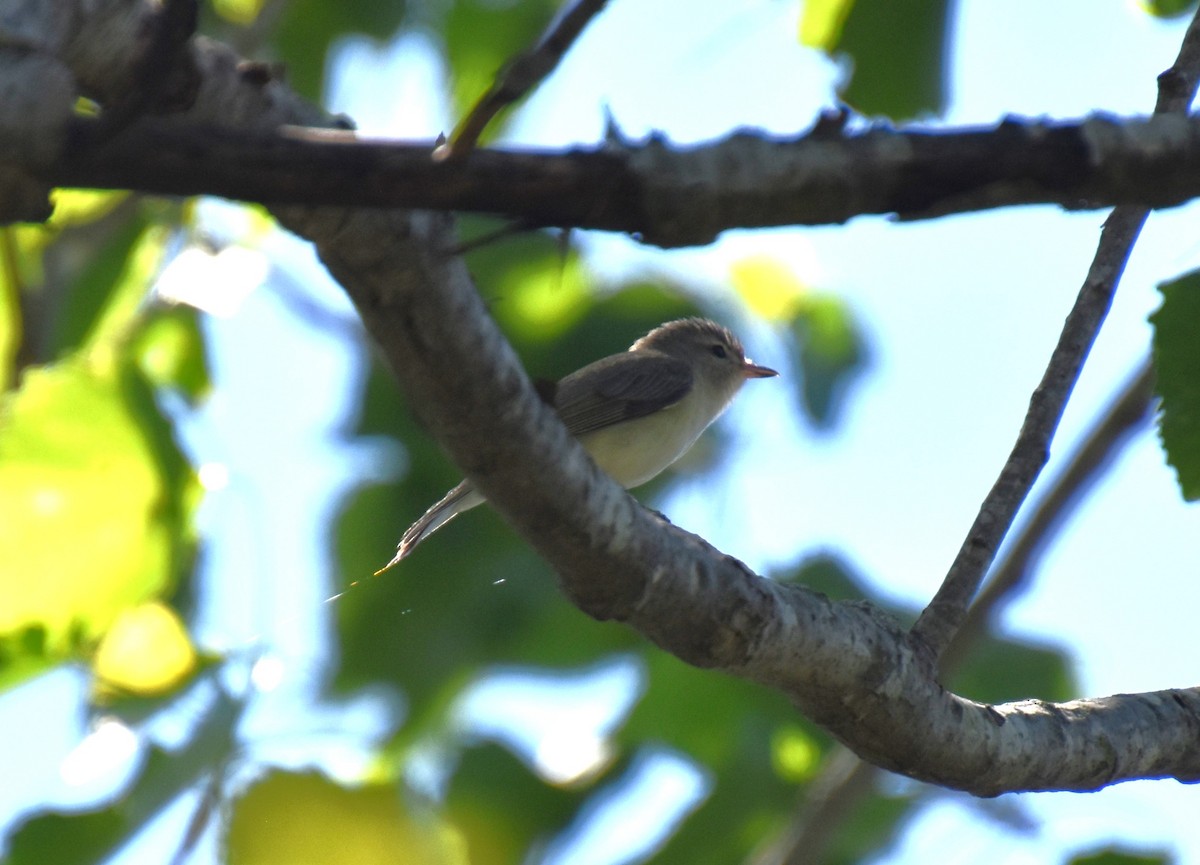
753, 370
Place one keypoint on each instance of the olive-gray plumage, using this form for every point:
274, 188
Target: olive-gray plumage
636, 412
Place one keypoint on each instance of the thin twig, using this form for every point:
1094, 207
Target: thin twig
1109, 434
521, 75
943, 617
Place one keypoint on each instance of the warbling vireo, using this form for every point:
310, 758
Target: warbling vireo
636, 412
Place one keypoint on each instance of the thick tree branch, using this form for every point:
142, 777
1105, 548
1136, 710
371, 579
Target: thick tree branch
669, 195
848, 666
944, 615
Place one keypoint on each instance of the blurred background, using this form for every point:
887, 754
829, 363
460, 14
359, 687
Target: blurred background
201, 464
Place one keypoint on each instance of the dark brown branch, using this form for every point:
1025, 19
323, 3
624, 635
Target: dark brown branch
944, 615
522, 74
669, 196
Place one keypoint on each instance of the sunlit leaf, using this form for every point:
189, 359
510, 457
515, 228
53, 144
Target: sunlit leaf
95, 501
1177, 368
241, 12
297, 819
79, 206
170, 350
1168, 8
146, 652
511, 28
769, 288
796, 753
821, 22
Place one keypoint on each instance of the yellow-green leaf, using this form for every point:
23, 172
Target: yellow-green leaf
92, 505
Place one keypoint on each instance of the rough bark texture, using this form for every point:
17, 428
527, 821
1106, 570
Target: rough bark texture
846, 665
668, 195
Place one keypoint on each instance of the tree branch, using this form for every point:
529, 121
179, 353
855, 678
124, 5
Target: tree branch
944, 615
848, 666
670, 196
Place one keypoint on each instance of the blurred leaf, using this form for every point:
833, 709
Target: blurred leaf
831, 354
1168, 8
796, 753
1001, 669
768, 287
308, 28
821, 22
170, 351
294, 819
1177, 367
898, 48
535, 286
106, 294
95, 501
81, 206
1119, 856
502, 808
146, 652
91, 837
871, 828
240, 12
511, 28
730, 728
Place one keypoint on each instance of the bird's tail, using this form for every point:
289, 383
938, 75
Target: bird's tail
463, 497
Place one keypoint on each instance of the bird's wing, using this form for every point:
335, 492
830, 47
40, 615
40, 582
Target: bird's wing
620, 388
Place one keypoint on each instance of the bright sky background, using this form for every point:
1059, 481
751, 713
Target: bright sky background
962, 314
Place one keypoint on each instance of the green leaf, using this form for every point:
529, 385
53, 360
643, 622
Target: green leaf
308, 28
105, 295
95, 502
999, 670
511, 29
831, 355
502, 808
821, 22
898, 48
170, 350
1168, 8
1177, 367
1119, 856
306, 819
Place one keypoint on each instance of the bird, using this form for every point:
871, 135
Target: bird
635, 412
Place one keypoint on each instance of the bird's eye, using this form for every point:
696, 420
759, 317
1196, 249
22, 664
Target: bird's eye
718, 350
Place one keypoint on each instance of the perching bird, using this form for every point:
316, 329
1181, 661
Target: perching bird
635, 412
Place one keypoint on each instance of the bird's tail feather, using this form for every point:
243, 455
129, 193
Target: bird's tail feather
463, 497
